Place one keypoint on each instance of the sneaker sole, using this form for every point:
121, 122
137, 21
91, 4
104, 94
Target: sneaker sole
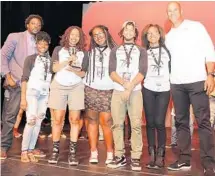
73, 163
18, 136
108, 162
136, 168
40, 156
52, 162
93, 161
116, 166
3, 158
177, 169
157, 167
150, 167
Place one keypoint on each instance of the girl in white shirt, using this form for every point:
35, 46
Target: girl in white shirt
98, 91
69, 63
156, 92
36, 81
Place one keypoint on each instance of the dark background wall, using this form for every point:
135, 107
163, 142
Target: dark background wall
57, 17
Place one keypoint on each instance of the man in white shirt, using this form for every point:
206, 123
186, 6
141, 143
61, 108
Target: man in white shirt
127, 68
192, 67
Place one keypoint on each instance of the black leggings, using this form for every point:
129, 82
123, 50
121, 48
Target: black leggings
155, 106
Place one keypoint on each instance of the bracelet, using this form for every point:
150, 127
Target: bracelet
211, 73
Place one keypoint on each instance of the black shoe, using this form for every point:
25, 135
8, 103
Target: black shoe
152, 154
150, 165
54, 158
72, 159
179, 166
117, 162
209, 172
159, 163
135, 165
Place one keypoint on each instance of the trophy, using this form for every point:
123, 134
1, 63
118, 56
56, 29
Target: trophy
74, 64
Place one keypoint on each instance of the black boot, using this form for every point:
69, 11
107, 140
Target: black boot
55, 153
159, 163
152, 154
72, 159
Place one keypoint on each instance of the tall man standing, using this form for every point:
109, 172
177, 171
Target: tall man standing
14, 51
191, 46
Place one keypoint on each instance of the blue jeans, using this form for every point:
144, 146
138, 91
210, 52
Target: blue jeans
36, 111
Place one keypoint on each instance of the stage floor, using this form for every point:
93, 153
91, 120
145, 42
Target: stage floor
14, 167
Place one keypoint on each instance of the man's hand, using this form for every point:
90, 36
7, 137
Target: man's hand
128, 85
23, 104
209, 84
10, 80
126, 95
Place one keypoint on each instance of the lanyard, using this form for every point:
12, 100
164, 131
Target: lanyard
157, 61
128, 54
45, 63
101, 53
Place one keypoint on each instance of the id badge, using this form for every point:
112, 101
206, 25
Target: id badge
126, 76
100, 71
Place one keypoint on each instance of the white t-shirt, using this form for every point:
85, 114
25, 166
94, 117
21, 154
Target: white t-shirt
190, 47
102, 80
65, 77
157, 76
118, 63
37, 73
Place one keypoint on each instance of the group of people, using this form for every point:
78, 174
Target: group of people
108, 81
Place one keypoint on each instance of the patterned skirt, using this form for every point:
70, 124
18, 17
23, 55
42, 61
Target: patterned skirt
98, 100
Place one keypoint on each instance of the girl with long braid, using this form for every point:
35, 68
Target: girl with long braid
98, 91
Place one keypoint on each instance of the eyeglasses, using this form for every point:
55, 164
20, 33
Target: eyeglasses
100, 34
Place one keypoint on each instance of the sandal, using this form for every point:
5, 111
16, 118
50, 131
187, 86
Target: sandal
24, 157
32, 158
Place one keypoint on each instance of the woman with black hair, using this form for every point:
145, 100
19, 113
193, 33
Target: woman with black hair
156, 92
98, 91
36, 81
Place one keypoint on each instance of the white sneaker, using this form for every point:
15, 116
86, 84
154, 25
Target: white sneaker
109, 158
94, 157
101, 138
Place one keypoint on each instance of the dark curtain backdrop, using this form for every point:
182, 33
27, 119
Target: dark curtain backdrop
57, 17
